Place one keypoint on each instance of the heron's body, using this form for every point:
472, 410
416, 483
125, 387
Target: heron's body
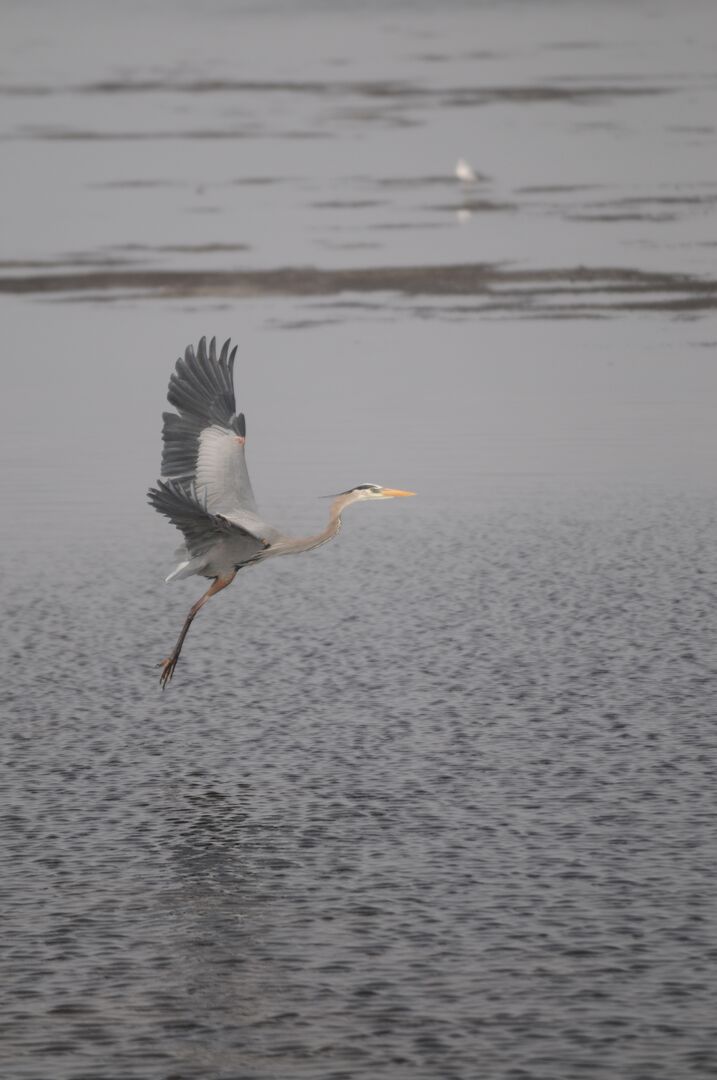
205, 488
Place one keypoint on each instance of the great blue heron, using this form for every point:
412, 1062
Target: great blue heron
206, 491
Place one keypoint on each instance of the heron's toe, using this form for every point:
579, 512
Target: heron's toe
168, 667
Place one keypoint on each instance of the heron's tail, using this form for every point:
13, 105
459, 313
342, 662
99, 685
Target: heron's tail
188, 567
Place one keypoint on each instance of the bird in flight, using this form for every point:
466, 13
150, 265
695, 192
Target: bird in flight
205, 488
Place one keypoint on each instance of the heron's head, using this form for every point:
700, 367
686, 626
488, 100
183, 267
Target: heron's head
372, 491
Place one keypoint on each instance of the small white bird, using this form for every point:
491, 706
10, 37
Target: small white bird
465, 172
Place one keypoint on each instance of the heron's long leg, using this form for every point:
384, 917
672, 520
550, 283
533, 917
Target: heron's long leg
170, 663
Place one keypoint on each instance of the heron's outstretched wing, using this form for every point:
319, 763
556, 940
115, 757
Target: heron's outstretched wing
179, 501
204, 440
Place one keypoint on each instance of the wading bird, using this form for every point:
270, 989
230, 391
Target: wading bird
205, 488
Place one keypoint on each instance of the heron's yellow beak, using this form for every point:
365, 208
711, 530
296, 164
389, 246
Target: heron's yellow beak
394, 493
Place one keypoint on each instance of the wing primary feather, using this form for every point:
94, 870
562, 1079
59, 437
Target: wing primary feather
203, 371
214, 372
187, 370
197, 361
204, 368
215, 375
182, 385
196, 367
197, 387
201, 390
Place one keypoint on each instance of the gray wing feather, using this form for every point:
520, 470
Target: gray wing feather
203, 386
178, 500
202, 390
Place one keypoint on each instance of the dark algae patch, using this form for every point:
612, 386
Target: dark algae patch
594, 288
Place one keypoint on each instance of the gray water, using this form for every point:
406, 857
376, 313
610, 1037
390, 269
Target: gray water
438, 799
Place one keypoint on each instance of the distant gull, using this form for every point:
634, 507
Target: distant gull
465, 172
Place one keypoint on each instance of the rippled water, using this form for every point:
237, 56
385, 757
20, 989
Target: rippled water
438, 799
451, 811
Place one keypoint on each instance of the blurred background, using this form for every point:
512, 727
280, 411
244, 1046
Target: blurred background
438, 799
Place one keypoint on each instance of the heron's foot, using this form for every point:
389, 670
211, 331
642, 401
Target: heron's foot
168, 667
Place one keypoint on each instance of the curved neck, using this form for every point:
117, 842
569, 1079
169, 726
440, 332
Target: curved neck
334, 524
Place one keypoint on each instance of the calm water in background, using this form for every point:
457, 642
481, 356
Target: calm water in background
437, 800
